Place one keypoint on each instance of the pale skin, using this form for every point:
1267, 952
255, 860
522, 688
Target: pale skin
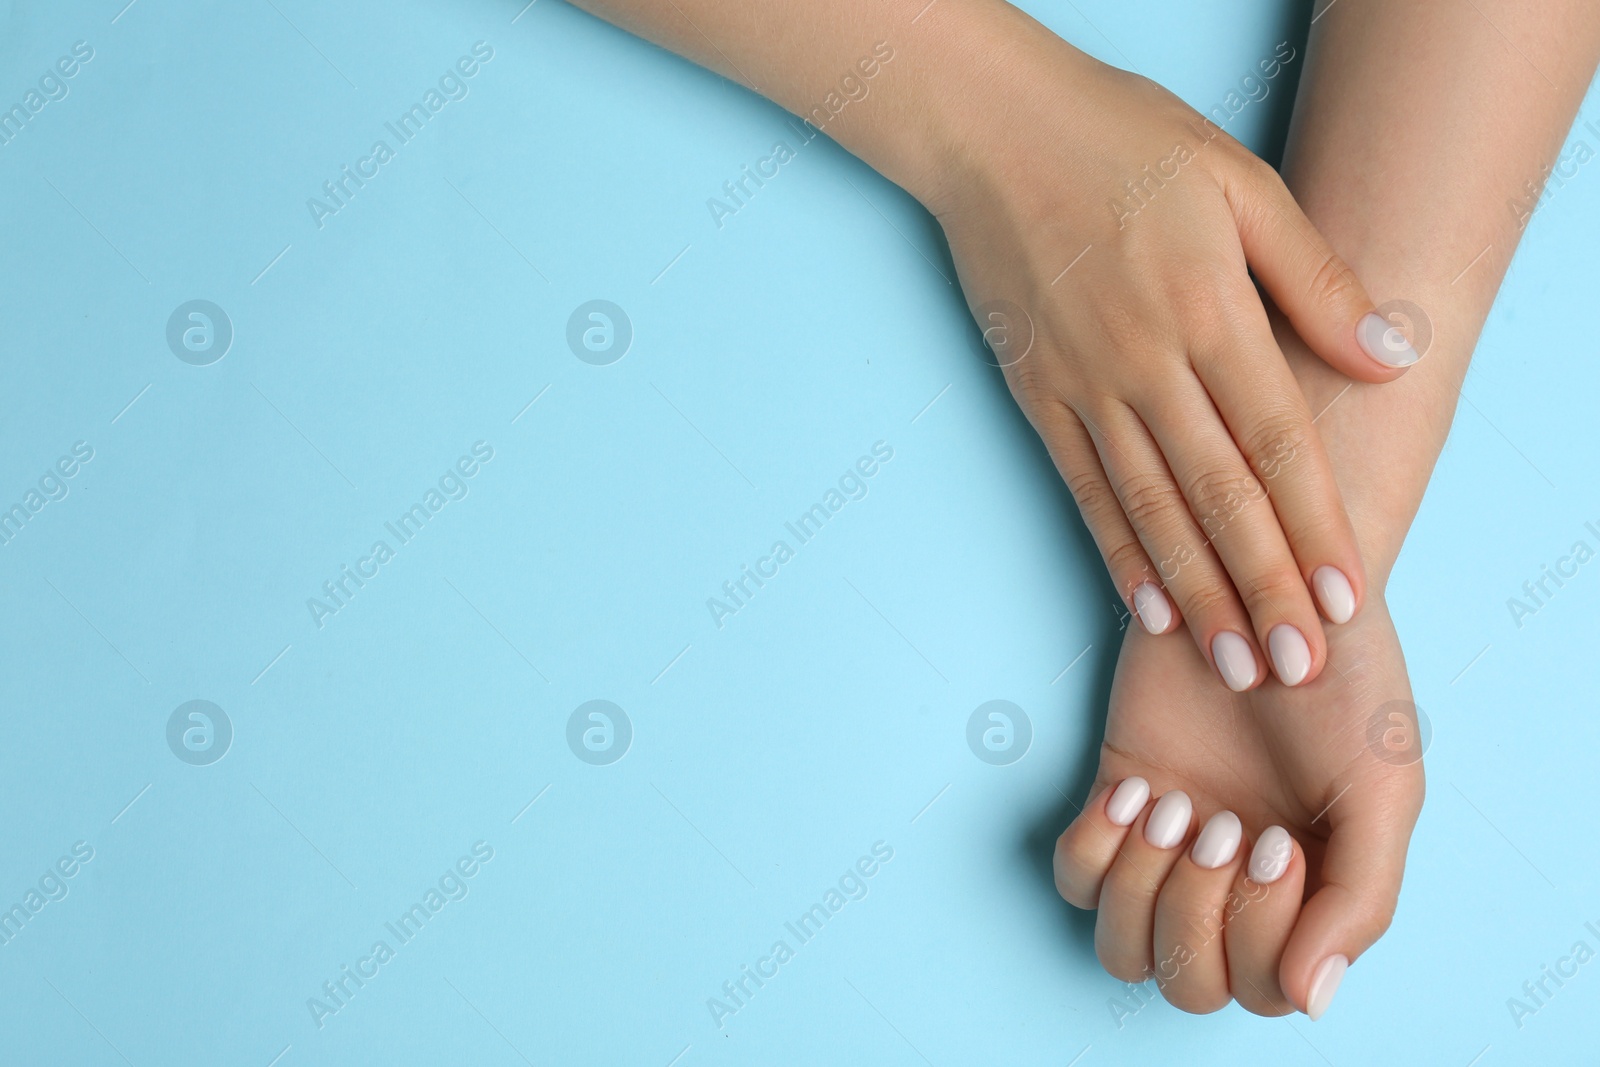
1416, 123
1153, 370
1478, 121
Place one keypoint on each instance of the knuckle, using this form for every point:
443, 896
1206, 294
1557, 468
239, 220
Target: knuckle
1268, 591
1208, 298
1126, 561
1261, 174
1276, 440
1218, 493
1207, 598
1149, 502
1093, 494
1032, 383
1333, 283
1131, 885
1379, 918
1261, 180
1205, 287
1206, 319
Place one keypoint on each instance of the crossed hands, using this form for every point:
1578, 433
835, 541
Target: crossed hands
1245, 837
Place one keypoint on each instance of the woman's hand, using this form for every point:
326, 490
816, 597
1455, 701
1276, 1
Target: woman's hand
1307, 798
1104, 233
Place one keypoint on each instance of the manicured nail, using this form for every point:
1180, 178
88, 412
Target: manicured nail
1235, 662
1152, 607
1169, 819
1333, 590
1291, 656
1127, 801
1270, 858
1384, 342
1324, 984
1218, 842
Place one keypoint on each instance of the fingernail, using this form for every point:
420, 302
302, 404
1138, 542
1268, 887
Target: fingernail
1270, 858
1151, 605
1218, 842
1384, 342
1169, 819
1127, 801
1235, 662
1324, 984
1291, 656
1333, 590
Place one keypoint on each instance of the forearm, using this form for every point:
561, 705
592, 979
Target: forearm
1418, 128
913, 117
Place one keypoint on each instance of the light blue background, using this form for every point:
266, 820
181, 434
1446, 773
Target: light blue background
371, 753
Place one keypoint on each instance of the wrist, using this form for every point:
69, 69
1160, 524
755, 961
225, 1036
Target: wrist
984, 86
1382, 441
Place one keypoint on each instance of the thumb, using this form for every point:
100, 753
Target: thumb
1358, 886
1314, 288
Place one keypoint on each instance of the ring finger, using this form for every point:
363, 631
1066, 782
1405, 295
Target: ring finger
1184, 561
1238, 521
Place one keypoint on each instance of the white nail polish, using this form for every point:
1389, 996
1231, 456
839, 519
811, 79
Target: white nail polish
1270, 858
1324, 984
1218, 842
1235, 662
1384, 342
1151, 605
1127, 801
1291, 656
1333, 591
1169, 819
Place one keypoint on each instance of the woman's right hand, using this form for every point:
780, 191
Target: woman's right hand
1104, 234
1266, 905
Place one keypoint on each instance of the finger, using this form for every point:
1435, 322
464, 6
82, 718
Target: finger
1261, 403
1235, 515
1187, 565
1124, 926
1359, 885
1268, 889
1319, 293
1088, 846
1073, 451
1191, 913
